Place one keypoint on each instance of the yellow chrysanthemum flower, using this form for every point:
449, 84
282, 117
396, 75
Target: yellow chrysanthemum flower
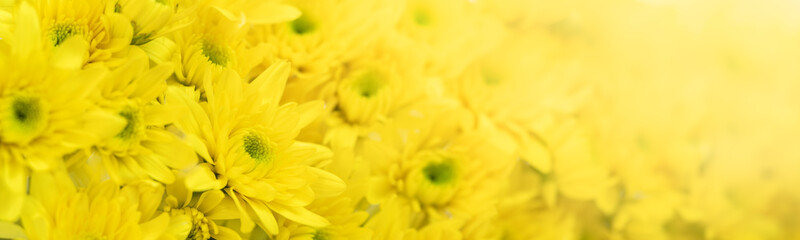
451, 33
107, 33
57, 209
373, 88
210, 46
152, 19
144, 148
202, 211
249, 139
321, 38
45, 111
436, 171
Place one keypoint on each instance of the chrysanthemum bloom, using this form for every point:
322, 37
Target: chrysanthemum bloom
144, 148
451, 33
57, 209
45, 110
379, 83
326, 34
204, 50
439, 173
249, 139
203, 211
108, 33
152, 19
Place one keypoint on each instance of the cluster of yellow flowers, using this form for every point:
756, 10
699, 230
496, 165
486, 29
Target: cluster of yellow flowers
398, 119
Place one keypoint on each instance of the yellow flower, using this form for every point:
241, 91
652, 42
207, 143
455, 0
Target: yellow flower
107, 33
325, 34
52, 210
435, 170
144, 148
153, 18
249, 139
450, 33
255, 12
45, 111
207, 48
202, 212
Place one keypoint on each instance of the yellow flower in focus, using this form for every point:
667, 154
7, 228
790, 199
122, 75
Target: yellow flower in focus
249, 139
144, 148
107, 33
201, 212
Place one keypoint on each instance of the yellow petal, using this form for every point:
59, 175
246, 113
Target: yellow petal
209, 199
11, 201
270, 83
299, 215
271, 13
309, 112
265, 217
327, 184
155, 227
11, 231
156, 168
179, 226
169, 150
152, 83
380, 189
202, 178
225, 210
198, 145
70, 54
35, 219
226, 234
160, 115
160, 50
29, 40
247, 223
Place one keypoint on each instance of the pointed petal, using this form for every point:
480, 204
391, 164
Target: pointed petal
265, 216
299, 214
327, 184
226, 234
155, 227
201, 178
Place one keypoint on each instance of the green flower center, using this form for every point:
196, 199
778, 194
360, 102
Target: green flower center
27, 111
215, 53
133, 123
491, 79
303, 25
422, 17
369, 84
23, 118
258, 148
60, 32
321, 235
439, 173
